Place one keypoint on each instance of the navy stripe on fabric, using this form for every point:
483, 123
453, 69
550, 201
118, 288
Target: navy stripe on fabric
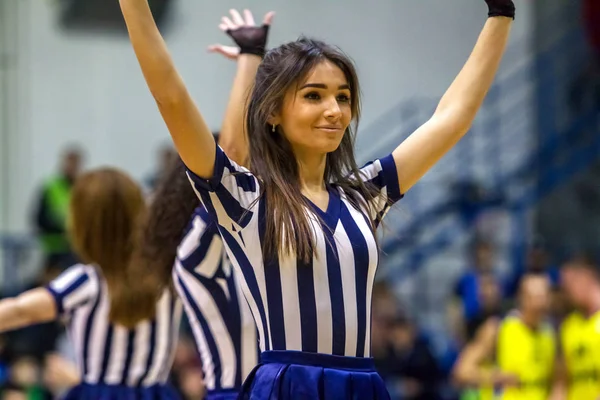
60, 297
361, 261
336, 292
88, 333
216, 291
195, 259
107, 352
308, 306
234, 325
273, 285
234, 209
390, 171
128, 356
249, 277
275, 296
210, 340
210, 184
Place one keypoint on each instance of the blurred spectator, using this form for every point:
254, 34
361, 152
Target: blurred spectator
490, 301
24, 379
467, 310
536, 261
559, 306
10, 391
191, 385
166, 153
471, 199
59, 374
413, 363
186, 373
50, 219
380, 332
402, 355
384, 303
578, 377
384, 311
467, 287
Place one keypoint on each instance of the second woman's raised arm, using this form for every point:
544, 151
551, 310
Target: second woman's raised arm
192, 137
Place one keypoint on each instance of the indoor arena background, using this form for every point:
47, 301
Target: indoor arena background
520, 191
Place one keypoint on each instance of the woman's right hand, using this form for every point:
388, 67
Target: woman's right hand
249, 38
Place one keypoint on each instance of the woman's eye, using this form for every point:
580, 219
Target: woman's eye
312, 96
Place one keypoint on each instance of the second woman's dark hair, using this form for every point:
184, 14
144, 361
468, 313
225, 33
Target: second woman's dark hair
172, 205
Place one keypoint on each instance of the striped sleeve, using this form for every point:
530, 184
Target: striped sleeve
75, 287
230, 195
382, 174
201, 249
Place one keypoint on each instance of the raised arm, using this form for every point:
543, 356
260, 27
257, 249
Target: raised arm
459, 105
32, 307
250, 46
192, 137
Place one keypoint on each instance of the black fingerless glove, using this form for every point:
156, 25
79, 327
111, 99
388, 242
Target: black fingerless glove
501, 8
251, 39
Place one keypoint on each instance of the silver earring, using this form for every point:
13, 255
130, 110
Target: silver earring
273, 130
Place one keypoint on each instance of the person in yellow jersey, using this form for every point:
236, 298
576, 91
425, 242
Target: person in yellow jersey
50, 214
578, 377
512, 357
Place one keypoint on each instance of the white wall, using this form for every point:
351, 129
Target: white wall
89, 88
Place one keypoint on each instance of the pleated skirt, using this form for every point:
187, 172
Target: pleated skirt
120, 392
282, 375
223, 394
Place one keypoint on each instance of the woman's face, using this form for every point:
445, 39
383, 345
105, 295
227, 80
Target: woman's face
317, 112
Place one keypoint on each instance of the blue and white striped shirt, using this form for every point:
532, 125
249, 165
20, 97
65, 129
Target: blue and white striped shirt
112, 354
322, 306
223, 327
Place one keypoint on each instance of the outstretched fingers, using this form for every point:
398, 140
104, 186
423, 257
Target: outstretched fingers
268, 18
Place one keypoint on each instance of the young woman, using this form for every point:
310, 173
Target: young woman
223, 328
299, 227
123, 333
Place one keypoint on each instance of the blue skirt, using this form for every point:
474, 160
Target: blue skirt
118, 392
223, 394
283, 375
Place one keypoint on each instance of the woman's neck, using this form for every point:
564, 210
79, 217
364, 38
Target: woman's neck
312, 172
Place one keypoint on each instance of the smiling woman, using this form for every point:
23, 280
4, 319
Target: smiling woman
299, 225
302, 90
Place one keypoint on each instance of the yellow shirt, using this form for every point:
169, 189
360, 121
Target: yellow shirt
529, 354
580, 342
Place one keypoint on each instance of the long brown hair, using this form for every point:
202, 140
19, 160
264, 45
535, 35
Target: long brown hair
272, 160
172, 206
106, 209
